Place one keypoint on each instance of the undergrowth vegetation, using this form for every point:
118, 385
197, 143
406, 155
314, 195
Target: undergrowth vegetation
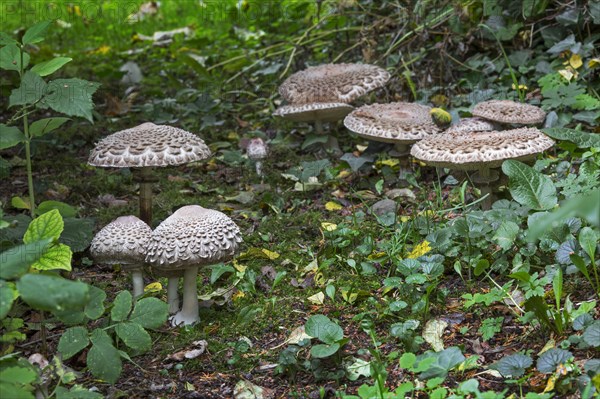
350, 283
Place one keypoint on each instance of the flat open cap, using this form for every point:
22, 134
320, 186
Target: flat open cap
124, 241
398, 122
507, 111
466, 125
473, 150
324, 112
148, 145
332, 83
193, 236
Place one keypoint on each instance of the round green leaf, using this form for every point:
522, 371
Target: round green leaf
551, 359
320, 351
319, 326
591, 335
513, 365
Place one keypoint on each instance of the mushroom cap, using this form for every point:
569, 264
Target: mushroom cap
123, 241
472, 150
193, 236
332, 83
467, 125
508, 111
257, 148
324, 112
148, 145
399, 122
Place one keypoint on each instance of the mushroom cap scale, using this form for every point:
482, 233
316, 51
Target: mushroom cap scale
399, 122
472, 150
466, 125
332, 83
257, 149
324, 112
508, 111
123, 241
148, 145
193, 236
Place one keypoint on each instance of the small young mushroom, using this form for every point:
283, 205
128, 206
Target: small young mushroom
475, 124
481, 151
146, 146
257, 151
509, 112
399, 123
124, 242
191, 237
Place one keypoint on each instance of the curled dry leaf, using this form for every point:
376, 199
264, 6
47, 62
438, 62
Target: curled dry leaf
199, 347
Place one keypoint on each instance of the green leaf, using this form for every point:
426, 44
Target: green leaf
36, 33
134, 336
218, 270
319, 326
95, 307
513, 366
10, 136
551, 359
57, 256
529, 187
121, 306
481, 266
10, 58
49, 67
588, 239
18, 392
581, 139
6, 39
506, 234
103, 358
72, 341
46, 125
407, 360
48, 225
591, 335
65, 210
17, 260
31, 90
77, 392
20, 203
52, 293
72, 97
537, 305
443, 363
7, 297
322, 350
150, 313
18, 375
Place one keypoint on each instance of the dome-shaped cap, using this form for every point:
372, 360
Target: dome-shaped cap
398, 122
149, 145
193, 236
332, 83
507, 111
324, 112
123, 240
466, 125
471, 150
257, 149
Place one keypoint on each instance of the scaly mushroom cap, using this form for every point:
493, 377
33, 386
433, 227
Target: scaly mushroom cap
193, 236
332, 83
400, 122
467, 125
148, 145
123, 241
324, 112
257, 148
471, 150
507, 111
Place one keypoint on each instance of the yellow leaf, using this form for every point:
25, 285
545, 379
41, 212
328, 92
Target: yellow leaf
565, 73
233, 136
404, 219
594, 62
238, 266
153, 287
328, 226
550, 384
549, 345
319, 279
238, 295
521, 87
270, 254
361, 148
419, 250
317, 299
376, 255
104, 49
575, 61
333, 206
389, 162
343, 173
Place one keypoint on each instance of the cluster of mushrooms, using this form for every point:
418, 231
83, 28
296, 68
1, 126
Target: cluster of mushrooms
194, 236
191, 237
496, 132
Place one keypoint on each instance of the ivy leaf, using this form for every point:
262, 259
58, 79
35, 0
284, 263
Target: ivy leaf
10, 136
529, 187
49, 67
31, 90
72, 97
48, 225
10, 58
513, 366
551, 359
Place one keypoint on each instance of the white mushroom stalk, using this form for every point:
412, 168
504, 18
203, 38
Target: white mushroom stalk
190, 238
257, 151
124, 242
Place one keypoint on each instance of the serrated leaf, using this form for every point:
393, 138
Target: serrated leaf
551, 359
513, 366
529, 187
52, 293
72, 341
46, 125
506, 234
48, 225
57, 256
49, 67
17, 260
134, 336
150, 313
121, 306
31, 90
103, 358
591, 335
36, 33
72, 97
10, 58
10, 136
95, 306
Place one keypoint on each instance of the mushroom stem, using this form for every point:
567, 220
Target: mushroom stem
138, 282
173, 295
258, 166
145, 178
189, 311
319, 127
485, 188
404, 158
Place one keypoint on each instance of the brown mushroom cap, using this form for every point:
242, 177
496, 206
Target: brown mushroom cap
472, 150
148, 145
193, 236
324, 112
466, 125
332, 83
507, 111
398, 122
124, 241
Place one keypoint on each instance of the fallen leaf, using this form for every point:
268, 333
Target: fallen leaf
333, 206
328, 226
153, 287
198, 348
317, 299
575, 61
244, 389
432, 334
